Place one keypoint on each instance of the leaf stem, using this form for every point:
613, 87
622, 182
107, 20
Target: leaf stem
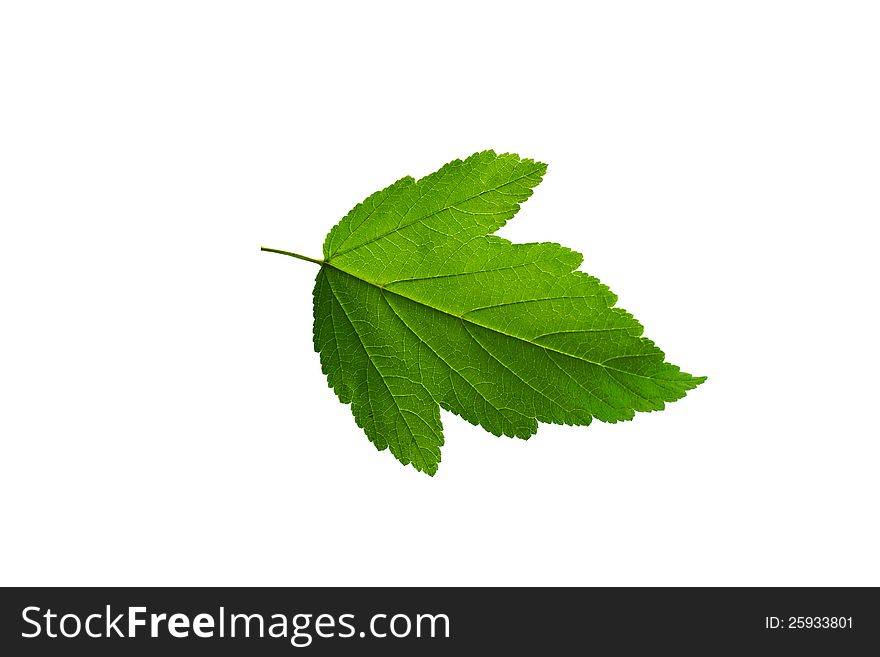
292, 255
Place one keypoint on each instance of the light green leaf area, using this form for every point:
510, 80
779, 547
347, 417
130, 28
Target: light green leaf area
417, 306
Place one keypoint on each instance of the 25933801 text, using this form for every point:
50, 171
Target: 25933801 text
808, 622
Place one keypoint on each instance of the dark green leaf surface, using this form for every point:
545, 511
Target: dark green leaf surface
418, 306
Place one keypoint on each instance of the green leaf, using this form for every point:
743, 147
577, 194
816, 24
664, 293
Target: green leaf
417, 306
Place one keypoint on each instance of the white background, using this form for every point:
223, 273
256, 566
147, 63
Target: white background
163, 415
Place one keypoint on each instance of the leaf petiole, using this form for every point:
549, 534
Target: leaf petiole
292, 255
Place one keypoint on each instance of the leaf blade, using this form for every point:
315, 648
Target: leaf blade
419, 307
